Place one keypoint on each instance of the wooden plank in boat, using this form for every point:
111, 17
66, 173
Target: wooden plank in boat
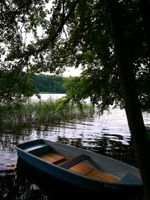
81, 168
103, 176
53, 157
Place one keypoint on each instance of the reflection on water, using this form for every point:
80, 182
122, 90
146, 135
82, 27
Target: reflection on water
108, 135
14, 186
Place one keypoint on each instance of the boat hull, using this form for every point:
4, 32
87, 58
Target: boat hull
53, 178
58, 189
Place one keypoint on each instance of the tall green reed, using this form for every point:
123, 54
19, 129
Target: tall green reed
42, 113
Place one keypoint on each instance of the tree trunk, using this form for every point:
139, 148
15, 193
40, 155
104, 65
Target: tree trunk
132, 105
145, 11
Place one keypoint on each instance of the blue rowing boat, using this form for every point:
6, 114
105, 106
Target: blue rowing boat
81, 169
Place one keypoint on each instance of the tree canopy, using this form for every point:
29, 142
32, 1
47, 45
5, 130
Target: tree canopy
23, 47
37, 36
89, 43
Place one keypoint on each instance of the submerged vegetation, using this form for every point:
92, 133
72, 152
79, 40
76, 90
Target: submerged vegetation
42, 113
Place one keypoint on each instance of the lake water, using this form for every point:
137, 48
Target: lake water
45, 97
107, 134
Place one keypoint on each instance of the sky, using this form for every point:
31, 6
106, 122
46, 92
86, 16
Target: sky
72, 71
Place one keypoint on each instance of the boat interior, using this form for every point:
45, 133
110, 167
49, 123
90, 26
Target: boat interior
75, 164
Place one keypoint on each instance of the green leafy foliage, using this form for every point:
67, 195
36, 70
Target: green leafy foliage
15, 87
23, 48
89, 44
73, 33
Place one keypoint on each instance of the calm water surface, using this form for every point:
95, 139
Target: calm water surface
107, 134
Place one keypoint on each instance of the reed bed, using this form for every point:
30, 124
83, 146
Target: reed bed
42, 113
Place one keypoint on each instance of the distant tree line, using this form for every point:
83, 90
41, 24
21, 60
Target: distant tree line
48, 83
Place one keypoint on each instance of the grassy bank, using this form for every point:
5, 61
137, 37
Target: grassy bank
42, 113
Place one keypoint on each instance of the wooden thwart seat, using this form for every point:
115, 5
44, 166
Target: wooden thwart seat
81, 169
74, 161
53, 157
